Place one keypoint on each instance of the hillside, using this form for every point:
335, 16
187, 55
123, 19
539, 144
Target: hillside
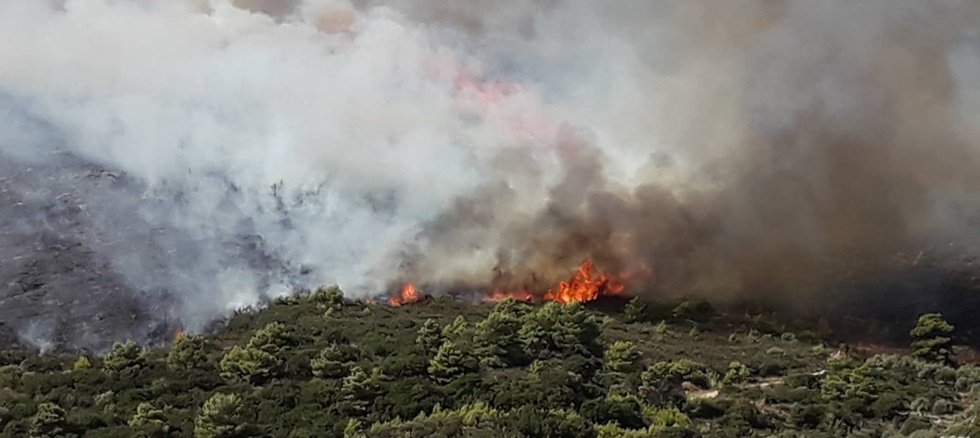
321, 365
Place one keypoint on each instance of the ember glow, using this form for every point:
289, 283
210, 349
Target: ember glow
499, 295
408, 294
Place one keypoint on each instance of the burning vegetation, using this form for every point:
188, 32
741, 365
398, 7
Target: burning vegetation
407, 295
586, 284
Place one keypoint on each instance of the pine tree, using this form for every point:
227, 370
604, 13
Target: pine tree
622, 357
189, 352
450, 362
149, 421
125, 356
329, 299
429, 336
455, 329
272, 339
357, 391
334, 361
221, 416
249, 364
497, 341
48, 421
932, 339
560, 330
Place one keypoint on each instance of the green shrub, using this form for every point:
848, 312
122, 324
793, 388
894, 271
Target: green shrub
634, 311
737, 372
497, 339
429, 336
250, 364
682, 370
328, 299
622, 357
334, 361
124, 357
49, 421
222, 415
696, 311
932, 339
190, 352
450, 362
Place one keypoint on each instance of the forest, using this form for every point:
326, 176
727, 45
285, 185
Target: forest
319, 364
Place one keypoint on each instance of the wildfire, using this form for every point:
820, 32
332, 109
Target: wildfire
585, 285
178, 333
409, 294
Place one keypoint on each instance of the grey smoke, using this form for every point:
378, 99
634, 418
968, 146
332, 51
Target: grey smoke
205, 155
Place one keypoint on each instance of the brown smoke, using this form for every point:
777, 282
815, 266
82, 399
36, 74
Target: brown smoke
845, 147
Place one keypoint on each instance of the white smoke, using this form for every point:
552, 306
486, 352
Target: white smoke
330, 135
266, 145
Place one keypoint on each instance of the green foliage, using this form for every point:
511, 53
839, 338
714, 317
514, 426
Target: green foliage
932, 339
250, 364
82, 363
358, 389
967, 423
497, 339
334, 361
450, 362
737, 372
288, 371
328, 299
456, 329
560, 330
150, 421
353, 429
696, 311
272, 339
49, 421
634, 311
222, 416
190, 352
623, 357
429, 336
123, 357
676, 372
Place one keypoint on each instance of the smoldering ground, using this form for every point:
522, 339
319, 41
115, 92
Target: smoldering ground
782, 150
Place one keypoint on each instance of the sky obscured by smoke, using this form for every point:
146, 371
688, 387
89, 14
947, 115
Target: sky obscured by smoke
714, 147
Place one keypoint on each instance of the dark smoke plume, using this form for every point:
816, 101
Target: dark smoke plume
170, 161
849, 147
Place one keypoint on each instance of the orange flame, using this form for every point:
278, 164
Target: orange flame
178, 333
409, 294
585, 285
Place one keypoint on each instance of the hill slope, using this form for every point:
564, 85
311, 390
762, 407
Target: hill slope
320, 365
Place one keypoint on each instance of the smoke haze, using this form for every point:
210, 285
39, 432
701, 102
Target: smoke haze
203, 155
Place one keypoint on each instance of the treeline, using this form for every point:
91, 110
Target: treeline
321, 365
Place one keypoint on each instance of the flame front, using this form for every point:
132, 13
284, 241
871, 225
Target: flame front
408, 294
585, 285
178, 333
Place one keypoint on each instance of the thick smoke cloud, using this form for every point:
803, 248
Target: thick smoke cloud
798, 148
207, 154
